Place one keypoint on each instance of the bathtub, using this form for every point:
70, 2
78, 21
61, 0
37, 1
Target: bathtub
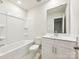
15, 50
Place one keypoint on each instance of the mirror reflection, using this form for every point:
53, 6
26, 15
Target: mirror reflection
57, 18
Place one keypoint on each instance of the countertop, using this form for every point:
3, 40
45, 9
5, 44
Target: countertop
61, 37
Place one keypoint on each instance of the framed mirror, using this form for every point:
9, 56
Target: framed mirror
58, 19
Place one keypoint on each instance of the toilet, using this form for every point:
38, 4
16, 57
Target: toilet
34, 49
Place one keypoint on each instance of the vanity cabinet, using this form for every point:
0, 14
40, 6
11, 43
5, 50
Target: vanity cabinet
57, 49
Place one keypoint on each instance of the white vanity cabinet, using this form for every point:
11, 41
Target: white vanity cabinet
47, 49
57, 49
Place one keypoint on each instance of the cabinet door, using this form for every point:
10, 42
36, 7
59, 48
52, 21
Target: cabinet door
64, 50
47, 49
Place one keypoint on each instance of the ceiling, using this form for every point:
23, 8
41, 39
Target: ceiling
61, 8
28, 4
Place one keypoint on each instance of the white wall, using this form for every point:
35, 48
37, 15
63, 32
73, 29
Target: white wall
74, 4
12, 9
14, 25
15, 29
74, 21
37, 18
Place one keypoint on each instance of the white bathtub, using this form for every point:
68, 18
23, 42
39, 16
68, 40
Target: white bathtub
15, 50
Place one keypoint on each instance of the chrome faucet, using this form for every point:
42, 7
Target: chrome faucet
56, 33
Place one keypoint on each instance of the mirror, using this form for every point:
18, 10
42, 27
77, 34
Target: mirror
58, 19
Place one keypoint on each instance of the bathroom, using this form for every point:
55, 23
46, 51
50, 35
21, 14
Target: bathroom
29, 29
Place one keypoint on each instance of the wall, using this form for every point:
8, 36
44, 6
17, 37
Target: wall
74, 16
15, 29
14, 25
75, 20
12, 9
37, 18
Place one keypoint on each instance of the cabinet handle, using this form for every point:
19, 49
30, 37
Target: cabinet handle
52, 49
55, 50
76, 48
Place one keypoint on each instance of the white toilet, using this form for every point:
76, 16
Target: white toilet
34, 49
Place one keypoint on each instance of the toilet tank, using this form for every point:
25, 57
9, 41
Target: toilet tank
38, 40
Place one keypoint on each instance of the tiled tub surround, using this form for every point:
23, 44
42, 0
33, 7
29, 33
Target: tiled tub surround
11, 28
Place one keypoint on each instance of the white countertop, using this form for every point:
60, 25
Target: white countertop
60, 37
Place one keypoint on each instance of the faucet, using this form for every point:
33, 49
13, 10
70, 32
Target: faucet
56, 33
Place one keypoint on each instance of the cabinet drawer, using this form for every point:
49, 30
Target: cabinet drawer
65, 44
